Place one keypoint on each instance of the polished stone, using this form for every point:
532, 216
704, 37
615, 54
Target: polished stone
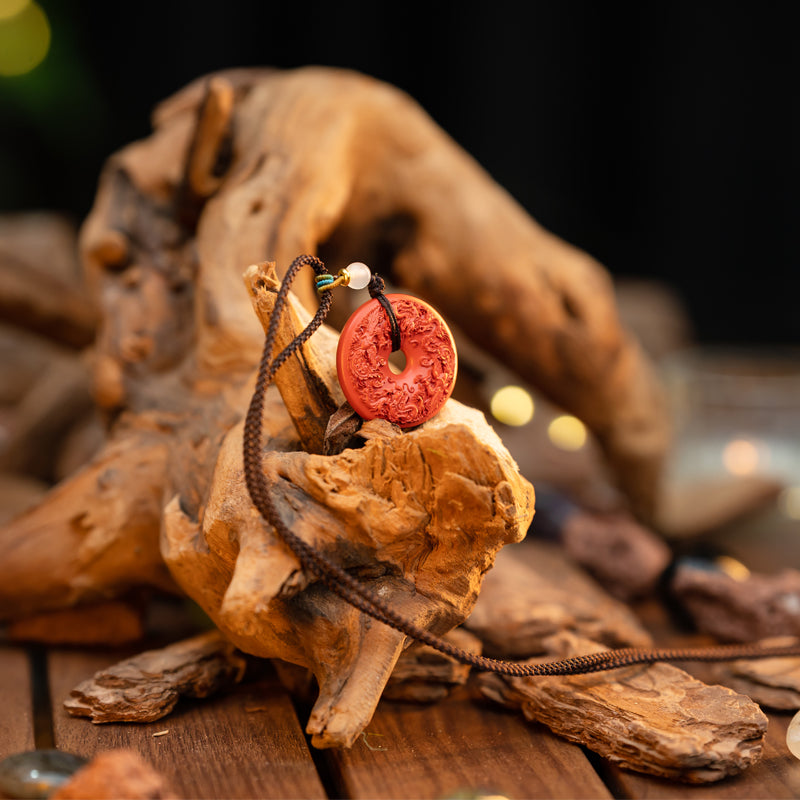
360, 275
793, 736
36, 773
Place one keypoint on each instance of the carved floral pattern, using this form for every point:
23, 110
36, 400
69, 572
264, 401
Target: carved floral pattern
421, 389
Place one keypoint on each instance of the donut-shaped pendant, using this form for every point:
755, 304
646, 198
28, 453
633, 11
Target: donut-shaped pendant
362, 360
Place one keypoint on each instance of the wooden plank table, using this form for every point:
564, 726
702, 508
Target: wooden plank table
249, 743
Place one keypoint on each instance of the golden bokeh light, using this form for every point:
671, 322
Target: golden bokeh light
512, 405
10, 8
567, 433
24, 37
741, 457
732, 567
789, 502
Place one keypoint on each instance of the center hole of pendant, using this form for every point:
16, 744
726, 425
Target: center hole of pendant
397, 362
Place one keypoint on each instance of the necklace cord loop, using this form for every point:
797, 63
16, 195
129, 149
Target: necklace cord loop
376, 288
359, 595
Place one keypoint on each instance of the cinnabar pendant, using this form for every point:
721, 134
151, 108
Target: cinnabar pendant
362, 360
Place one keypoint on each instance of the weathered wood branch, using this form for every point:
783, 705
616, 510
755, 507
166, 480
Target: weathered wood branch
91, 537
40, 286
307, 381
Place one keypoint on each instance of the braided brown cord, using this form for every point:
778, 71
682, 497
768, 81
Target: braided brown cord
376, 288
361, 597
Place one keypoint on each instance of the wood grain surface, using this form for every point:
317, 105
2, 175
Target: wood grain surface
16, 704
459, 748
247, 743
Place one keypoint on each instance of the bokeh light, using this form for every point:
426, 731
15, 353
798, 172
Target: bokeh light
567, 433
10, 8
512, 405
789, 502
741, 457
732, 567
24, 36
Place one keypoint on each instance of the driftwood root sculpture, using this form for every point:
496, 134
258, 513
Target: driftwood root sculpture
255, 164
418, 516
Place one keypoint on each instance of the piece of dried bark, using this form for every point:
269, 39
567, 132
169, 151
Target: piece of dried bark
686, 510
147, 687
745, 610
425, 675
771, 682
116, 775
626, 558
534, 591
655, 718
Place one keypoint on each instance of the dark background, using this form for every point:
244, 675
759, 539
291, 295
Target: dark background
660, 138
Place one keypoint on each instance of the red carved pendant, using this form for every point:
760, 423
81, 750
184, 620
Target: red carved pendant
362, 361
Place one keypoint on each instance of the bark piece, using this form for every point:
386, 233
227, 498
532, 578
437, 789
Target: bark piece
534, 591
742, 610
116, 775
147, 687
655, 718
771, 682
687, 510
424, 675
625, 557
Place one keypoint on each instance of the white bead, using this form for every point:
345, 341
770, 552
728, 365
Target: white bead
793, 736
359, 275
